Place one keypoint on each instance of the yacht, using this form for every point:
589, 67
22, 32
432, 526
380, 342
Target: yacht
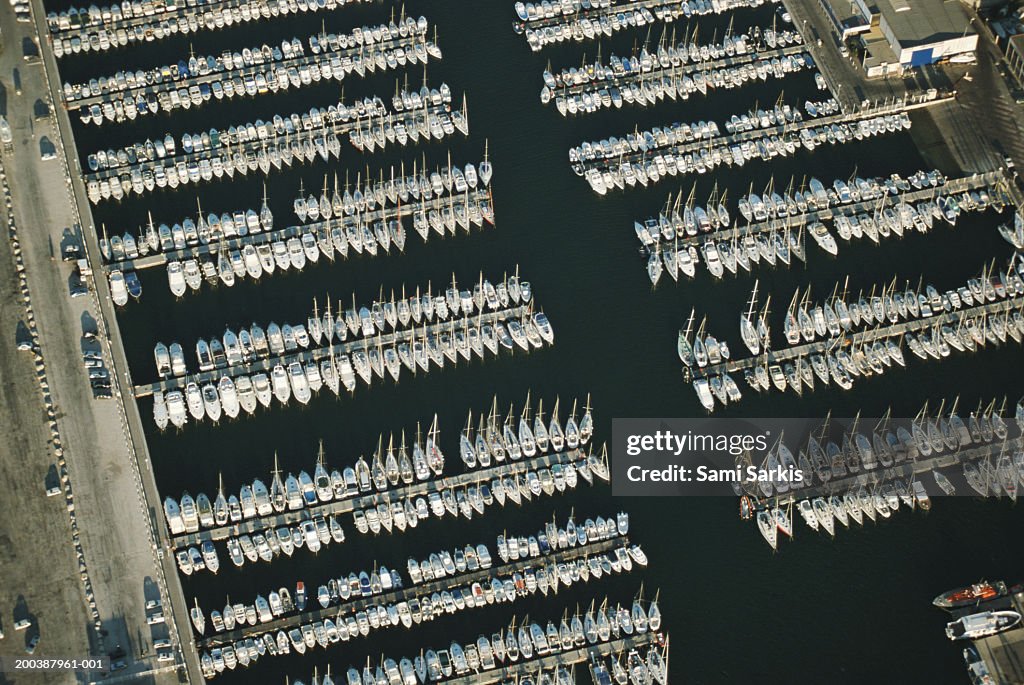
299, 382
976, 626
281, 386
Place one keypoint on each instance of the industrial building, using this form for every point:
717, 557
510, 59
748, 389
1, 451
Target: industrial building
896, 35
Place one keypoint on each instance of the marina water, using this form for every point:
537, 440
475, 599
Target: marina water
853, 609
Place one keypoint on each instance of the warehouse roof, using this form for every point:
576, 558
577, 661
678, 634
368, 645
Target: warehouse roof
922, 22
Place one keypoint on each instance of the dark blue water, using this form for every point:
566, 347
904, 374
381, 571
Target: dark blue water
853, 609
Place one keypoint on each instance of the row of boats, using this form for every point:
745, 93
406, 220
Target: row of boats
269, 145
383, 316
639, 669
420, 186
510, 649
668, 54
931, 323
179, 237
643, 666
296, 247
781, 236
883, 497
358, 614
608, 165
822, 513
316, 120
98, 29
279, 603
547, 23
418, 351
496, 439
597, 87
503, 587
250, 71
447, 200
398, 511
888, 304
496, 442
681, 217
828, 459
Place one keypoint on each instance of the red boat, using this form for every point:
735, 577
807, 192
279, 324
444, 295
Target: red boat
972, 594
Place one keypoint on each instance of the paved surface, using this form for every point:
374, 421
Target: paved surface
973, 133
1004, 653
38, 572
36, 554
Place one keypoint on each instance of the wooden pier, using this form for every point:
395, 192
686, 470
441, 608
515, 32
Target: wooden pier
413, 591
322, 353
398, 212
858, 338
372, 499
